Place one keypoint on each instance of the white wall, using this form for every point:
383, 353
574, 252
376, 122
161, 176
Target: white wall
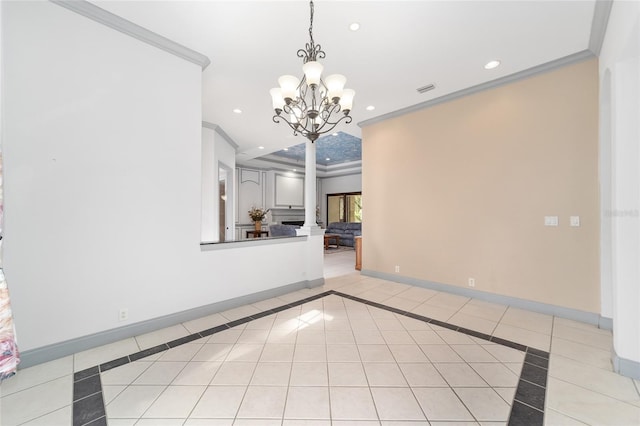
335, 185
209, 219
216, 149
251, 191
102, 145
225, 156
620, 177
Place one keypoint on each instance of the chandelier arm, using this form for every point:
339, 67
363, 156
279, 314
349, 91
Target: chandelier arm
311, 112
324, 129
305, 126
329, 108
311, 52
303, 88
277, 118
297, 107
304, 131
346, 118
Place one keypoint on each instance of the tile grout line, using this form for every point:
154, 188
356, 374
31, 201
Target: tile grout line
125, 387
166, 387
4, 395
598, 331
519, 411
483, 379
596, 392
326, 354
244, 395
286, 394
78, 410
375, 407
445, 379
499, 320
212, 377
590, 346
88, 415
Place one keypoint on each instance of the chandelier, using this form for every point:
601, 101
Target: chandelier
312, 106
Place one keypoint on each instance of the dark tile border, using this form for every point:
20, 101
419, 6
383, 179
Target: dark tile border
88, 403
527, 408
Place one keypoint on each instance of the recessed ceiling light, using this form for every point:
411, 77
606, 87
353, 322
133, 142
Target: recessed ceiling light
354, 26
491, 65
370, 108
261, 147
237, 111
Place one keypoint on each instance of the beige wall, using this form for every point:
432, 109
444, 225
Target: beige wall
461, 189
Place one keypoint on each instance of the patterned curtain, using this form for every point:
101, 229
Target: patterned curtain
9, 357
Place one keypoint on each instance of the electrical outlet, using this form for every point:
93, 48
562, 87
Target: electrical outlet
472, 282
397, 268
123, 314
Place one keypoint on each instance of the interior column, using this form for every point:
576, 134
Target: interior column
310, 186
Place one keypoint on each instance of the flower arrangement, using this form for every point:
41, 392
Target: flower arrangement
258, 214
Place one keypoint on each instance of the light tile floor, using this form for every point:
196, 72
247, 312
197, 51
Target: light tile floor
309, 363
306, 363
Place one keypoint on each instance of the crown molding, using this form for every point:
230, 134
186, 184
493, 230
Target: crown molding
599, 25
321, 172
299, 164
540, 69
222, 133
117, 23
336, 175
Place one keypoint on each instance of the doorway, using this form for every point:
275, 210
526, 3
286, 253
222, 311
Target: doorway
225, 202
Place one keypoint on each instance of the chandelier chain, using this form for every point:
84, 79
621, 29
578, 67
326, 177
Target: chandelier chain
311, 23
312, 51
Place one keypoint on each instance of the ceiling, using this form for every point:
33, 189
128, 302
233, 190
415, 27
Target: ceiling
332, 149
401, 46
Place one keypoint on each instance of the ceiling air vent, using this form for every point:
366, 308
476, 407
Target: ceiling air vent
426, 88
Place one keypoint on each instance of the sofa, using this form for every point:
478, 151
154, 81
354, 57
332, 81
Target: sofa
346, 231
282, 230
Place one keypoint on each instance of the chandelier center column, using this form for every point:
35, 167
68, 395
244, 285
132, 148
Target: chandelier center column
310, 185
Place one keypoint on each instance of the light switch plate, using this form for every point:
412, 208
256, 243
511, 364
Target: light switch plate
574, 220
551, 221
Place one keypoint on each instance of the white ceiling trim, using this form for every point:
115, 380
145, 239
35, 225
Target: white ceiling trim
549, 66
290, 163
599, 25
104, 17
458, 38
222, 133
322, 171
